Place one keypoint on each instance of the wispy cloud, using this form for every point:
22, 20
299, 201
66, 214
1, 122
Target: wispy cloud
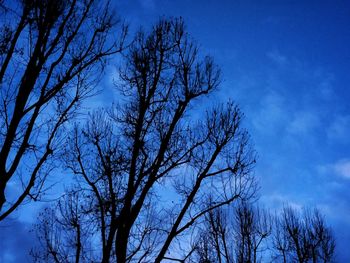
279, 201
340, 168
303, 123
271, 113
277, 57
16, 241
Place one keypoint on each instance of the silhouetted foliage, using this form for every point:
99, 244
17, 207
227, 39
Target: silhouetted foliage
51, 55
146, 168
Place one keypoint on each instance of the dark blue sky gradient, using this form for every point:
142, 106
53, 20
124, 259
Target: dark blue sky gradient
287, 65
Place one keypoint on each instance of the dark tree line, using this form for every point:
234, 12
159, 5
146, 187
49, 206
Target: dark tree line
248, 234
303, 237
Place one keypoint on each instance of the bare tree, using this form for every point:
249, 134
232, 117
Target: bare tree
235, 236
51, 54
254, 236
280, 241
148, 166
215, 239
65, 230
253, 227
303, 237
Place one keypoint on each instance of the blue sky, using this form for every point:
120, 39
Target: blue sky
287, 65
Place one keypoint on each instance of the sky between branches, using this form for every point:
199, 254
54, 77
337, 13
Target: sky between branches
286, 63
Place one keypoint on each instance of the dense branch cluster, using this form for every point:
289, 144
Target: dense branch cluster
150, 148
250, 234
51, 53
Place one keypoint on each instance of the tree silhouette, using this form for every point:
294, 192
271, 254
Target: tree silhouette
234, 235
51, 55
303, 237
146, 168
249, 234
253, 227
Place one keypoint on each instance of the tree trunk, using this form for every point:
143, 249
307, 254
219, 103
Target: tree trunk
121, 243
2, 190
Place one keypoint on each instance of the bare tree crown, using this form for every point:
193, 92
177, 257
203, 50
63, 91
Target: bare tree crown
51, 54
150, 144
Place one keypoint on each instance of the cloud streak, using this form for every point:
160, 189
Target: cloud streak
342, 168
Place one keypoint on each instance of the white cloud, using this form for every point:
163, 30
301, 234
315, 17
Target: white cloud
278, 201
342, 168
